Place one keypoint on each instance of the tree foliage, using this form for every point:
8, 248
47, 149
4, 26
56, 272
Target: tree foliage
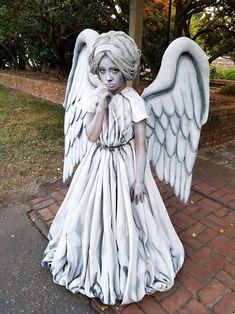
209, 22
155, 32
41, 33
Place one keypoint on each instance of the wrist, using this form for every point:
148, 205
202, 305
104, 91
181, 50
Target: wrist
139, 181
101, 107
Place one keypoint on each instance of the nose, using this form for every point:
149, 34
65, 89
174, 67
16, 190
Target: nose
108, 76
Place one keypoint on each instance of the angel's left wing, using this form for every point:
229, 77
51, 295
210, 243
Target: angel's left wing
178, 104
80, 83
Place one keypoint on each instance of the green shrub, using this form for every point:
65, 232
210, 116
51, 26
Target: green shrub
231, 75
228, 90
213, 72
225, 73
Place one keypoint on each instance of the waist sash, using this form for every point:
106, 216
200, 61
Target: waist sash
103, 146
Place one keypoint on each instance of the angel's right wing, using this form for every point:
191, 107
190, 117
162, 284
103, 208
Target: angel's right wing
80, 83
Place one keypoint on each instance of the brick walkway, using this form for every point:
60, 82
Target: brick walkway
206, 283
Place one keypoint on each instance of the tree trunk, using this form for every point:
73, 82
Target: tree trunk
21, 64
154, 67
12, 58
217, 55
178, 29
186, 27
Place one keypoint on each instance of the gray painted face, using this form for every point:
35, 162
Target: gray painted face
110, 75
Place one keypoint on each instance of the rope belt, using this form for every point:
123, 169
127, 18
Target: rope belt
112, 147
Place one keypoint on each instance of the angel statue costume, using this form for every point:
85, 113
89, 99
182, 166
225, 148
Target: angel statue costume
112, 237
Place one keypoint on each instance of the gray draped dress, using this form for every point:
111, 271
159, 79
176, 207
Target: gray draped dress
100, 243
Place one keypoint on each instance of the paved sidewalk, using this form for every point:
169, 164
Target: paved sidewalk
25, 287
206, 283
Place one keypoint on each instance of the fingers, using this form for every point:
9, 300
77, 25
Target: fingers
105, 91
137, 193
137, 197
142, 197
105, 95
132, 194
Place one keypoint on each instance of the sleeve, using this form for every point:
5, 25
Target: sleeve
138, 107
88, 102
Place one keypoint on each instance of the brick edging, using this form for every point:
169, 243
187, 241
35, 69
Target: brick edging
44, 89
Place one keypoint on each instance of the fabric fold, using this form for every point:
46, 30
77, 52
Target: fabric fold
100, 243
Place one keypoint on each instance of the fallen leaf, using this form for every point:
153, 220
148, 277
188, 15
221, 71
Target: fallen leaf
194, 235
221, 231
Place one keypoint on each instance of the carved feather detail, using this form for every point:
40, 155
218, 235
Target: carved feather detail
177, 103
80, 83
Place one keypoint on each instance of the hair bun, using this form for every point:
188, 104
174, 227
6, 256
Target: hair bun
120, 48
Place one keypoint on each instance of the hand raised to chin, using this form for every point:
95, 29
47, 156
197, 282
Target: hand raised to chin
104, 97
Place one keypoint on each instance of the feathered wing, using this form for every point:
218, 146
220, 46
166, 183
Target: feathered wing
178, 104
80, 82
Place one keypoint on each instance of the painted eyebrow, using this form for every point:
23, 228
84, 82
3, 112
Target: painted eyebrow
113, 68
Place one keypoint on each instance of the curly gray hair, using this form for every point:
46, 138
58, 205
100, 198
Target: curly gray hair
120, 48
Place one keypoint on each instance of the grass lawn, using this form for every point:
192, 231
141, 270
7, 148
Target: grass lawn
31, 144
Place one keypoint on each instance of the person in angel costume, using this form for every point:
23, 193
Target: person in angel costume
112, 237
